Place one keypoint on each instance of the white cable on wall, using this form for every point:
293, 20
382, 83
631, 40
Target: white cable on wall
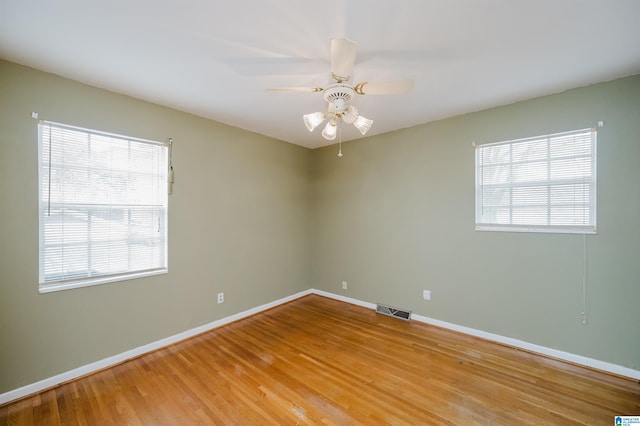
585, 259
170, 175
584, 280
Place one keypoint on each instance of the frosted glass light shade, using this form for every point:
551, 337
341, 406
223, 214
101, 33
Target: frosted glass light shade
363, 124
350, 114
313, 120
330, 130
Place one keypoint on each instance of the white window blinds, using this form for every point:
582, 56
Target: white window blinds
540, 184
103, 207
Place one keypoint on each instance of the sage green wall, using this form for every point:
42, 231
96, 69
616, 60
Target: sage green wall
238, 223
395, 216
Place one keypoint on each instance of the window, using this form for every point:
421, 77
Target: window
103, 207
540, 184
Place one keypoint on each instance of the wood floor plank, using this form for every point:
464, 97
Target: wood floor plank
320, 361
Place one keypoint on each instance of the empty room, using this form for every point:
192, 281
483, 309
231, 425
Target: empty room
346, 212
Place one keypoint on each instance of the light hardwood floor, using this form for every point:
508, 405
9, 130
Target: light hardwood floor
320, 361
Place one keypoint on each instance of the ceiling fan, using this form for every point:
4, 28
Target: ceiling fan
339, 94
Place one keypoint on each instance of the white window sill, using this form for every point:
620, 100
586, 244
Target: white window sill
87, 282
537, 229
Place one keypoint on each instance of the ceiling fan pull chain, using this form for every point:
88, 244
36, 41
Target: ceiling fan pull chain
339, 140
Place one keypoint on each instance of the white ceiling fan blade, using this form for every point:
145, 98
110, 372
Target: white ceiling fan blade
384, 87
295, 89
343, 56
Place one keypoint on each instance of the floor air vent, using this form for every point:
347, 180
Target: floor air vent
403, 314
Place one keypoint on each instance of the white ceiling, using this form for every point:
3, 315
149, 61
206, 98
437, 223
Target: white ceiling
216, 58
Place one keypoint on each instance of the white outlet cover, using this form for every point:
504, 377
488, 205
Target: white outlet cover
426, 294
344, 285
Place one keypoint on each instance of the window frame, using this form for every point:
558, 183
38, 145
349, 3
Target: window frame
88, 277
590, 181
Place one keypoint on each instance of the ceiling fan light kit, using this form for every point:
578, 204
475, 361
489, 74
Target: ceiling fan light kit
339, 94
330, 130
363, 124
313, 120
350, 114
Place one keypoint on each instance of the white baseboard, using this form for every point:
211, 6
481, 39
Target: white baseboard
554, 353
141, 350
344, 298
136, 352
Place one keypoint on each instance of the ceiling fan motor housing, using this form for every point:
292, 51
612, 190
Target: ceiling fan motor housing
338, 95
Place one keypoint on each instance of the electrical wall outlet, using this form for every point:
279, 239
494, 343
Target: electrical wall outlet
426, 294
344, 285
220, 297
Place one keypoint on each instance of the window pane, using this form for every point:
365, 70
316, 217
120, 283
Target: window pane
530, 172
575, 215
529, 216
499, 174
569, 195
572, 168
498, 154
530, 195
529, 150
570, 145
496, 196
